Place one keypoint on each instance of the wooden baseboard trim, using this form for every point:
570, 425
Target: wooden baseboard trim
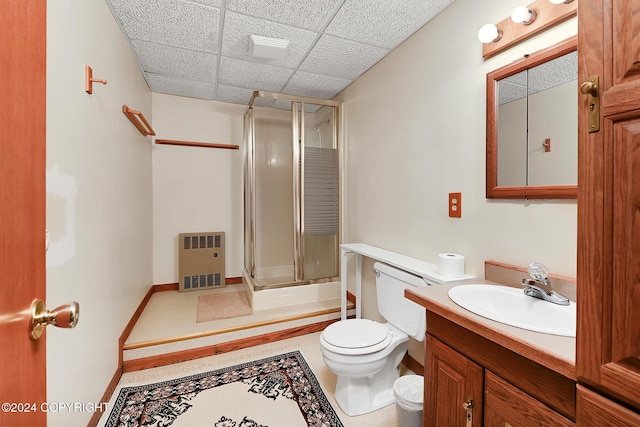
132, 323
182, 356
125, 334
111, 388
165, 287
176, 286
411, 363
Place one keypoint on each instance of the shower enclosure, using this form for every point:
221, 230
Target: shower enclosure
291, 190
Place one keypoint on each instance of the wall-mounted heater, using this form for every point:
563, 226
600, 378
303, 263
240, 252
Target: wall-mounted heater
201, 261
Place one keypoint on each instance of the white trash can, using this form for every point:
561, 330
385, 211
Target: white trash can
409, 393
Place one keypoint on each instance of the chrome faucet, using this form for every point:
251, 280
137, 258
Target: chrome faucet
539, 286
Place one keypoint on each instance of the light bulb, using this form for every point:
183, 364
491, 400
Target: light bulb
523, 15
489, 33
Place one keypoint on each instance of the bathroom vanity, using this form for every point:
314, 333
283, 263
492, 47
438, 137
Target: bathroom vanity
482, 372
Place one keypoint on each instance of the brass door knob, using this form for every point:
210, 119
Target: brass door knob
589, 88
65, 316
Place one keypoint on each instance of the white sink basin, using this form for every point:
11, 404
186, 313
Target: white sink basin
512, 307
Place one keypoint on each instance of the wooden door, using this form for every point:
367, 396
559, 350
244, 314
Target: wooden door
608, 353
22, 208
451, 381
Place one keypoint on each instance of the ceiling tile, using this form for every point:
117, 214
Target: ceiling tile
174, 86
315, 85
239, 95
184, 47
309, 14
210, 3
176, 62
235, 72
238, 28
172, 22
346, 59
383, 23
559, 71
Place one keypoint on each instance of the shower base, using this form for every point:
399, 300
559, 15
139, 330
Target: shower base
282, 291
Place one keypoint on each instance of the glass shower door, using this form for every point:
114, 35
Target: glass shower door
320, 192
291, 199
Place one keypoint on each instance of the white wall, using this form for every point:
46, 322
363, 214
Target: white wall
415, 131
196, 189
98, 200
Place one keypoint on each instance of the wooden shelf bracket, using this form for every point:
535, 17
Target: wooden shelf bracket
139, 121
89, 80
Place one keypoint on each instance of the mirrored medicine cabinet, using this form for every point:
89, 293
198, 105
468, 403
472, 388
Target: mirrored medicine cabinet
532, 126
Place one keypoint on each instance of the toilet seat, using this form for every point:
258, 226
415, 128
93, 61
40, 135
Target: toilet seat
356, 336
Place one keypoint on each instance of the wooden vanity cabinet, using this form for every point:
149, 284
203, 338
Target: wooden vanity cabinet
453, 386
608, 273
503, 387
506, 405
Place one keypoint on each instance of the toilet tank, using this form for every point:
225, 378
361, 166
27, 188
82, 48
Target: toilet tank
402, 313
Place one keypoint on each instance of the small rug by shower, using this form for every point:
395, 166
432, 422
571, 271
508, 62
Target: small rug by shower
272, 392
222, 305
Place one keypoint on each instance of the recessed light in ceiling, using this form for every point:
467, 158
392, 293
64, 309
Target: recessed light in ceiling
267, 47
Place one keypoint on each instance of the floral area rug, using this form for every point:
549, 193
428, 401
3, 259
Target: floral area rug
272, 392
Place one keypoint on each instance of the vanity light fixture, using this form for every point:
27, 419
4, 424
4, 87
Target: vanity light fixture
523, 15
536, 17
489, 33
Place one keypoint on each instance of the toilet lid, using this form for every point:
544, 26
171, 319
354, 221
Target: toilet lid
355, 334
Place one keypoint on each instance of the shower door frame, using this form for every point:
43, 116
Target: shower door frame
298, 141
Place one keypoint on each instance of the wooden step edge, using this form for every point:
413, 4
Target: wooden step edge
196, 335
196, 353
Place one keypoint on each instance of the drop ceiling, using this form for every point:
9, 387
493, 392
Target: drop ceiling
200, 48
547, 75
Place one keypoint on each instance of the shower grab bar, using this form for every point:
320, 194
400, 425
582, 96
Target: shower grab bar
139, 121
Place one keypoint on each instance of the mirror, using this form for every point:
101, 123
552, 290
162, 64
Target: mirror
532, 126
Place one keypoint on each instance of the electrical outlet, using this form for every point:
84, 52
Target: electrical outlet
455, 205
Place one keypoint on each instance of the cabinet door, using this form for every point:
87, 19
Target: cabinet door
608, 353
451, 381
507, 405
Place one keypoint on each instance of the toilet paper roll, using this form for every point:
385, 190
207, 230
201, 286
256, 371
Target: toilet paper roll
451, 265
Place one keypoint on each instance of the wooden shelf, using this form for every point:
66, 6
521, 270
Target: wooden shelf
196, 144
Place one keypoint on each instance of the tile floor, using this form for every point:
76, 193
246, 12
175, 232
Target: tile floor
308, 345
171, 314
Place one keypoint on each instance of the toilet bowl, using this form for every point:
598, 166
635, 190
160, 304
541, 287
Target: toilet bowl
365, 354
366, 371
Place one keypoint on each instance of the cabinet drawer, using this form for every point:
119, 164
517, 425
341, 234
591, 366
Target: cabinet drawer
595, 410
506, 405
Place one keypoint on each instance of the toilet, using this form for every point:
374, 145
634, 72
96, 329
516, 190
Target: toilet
366, 354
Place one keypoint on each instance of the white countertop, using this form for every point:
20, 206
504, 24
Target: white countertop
555, 352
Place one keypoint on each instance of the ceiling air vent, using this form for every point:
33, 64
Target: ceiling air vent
267, 47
